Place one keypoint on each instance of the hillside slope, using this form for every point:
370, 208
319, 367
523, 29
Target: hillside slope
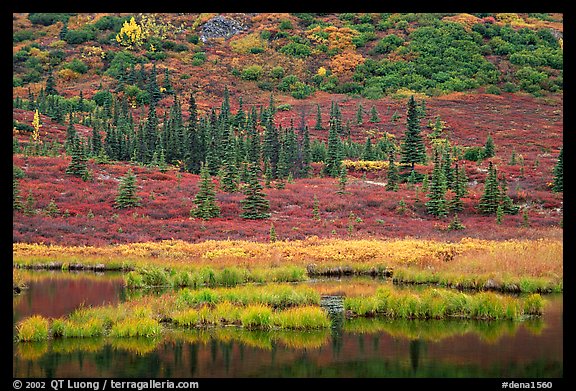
474, 77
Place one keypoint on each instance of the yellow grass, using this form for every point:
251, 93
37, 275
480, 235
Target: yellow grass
535, 258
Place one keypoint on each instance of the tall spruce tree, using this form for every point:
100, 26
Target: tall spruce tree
255, 204
229, 180
413, 149
16, 197
491, 197
51, 85
77, 166
558, 183
127, 197
392, 174
318, 125
436, 204
374, 115
460, 190
205, 200
334, 153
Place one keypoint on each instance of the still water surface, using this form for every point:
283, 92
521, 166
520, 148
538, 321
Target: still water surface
351, 348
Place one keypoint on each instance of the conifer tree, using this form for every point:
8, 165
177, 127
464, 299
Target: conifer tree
368, 153
316, 208
153, 88
425, 183
456, 224
29, 206
127, 197
52, 209
71, 134
491, 197
255, 204
96, 141
459, 187
413, 148
16, 197
499, 214
359, 114
194, 151
437, 195
506, 202
166, 83
306, 153
558, 183
318, 125
271, 148
205, 200
374, 115
150, 134
77, 166
334, 153
392, 173
489, 149
342, 180
51, 85
272, 235
229, 181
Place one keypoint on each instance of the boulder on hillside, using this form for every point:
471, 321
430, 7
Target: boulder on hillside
220, 27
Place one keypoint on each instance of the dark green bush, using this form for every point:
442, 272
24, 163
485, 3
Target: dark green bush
76, 37
473, 154
102, 97
47, 19
77, 66
22, 35
296, 49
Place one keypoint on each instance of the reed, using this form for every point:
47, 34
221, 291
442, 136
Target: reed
93, 327
256, 316
302, 318
136, 327
33, 328
442, 303
276, 295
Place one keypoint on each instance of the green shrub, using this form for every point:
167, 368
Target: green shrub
296, 49
252, 72
193, 38
473, 154
76, 65
76, 37
22, 35
47, 19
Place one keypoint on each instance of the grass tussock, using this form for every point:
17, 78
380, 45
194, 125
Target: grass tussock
33, 328
441, 304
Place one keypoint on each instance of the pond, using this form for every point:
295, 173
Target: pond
354, 348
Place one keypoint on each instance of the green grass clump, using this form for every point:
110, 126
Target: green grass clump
256, 316
302, 318
93, 327
190, 317
533, 304
288, 274
232, 276
361, 306
33, 328
442, 303
136, 327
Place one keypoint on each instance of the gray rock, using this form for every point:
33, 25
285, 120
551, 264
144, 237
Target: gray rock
220, 27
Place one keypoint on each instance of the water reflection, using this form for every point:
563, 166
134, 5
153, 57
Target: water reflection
361, 347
